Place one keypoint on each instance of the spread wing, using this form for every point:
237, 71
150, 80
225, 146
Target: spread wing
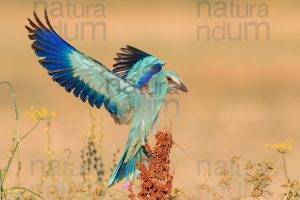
136, 66
85, 77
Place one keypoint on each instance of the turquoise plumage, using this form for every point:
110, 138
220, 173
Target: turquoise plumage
133, 92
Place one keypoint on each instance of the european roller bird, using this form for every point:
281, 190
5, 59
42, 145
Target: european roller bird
133, 92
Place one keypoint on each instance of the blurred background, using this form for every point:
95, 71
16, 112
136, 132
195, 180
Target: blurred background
243, 94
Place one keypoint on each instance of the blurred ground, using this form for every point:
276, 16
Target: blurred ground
242, 95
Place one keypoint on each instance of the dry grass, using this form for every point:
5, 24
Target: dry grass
156, 180
256, 176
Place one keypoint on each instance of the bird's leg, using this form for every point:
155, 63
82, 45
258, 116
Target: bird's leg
143, 133
156, 125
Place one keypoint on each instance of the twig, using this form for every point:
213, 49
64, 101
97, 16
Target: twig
271, 174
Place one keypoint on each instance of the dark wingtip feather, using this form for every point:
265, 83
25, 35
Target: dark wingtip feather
33, 25
47, 20
30, 30
39, 21
31, 36
125, 60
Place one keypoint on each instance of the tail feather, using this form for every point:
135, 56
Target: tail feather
127, 170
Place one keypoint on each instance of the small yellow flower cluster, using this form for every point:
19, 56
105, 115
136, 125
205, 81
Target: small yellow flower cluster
282, 147
177, 193
42, 114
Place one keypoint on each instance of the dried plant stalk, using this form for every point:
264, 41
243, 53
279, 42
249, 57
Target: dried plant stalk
155, 176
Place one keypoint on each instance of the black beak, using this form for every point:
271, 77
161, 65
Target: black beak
182, 87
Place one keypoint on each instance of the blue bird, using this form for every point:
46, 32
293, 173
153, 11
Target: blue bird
133, 92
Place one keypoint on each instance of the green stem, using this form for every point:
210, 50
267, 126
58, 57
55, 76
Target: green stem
284, 167
14, 152
25, 190
5, 193
31, 130
15, 106
19, 138
17, 121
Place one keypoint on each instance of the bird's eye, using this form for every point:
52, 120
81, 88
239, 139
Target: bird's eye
169, 78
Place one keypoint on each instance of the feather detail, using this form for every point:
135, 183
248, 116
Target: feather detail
136, 66
78, 73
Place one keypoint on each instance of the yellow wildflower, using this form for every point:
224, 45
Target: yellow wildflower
282, 147
42, 114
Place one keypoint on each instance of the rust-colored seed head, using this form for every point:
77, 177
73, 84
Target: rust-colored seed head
156, 180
